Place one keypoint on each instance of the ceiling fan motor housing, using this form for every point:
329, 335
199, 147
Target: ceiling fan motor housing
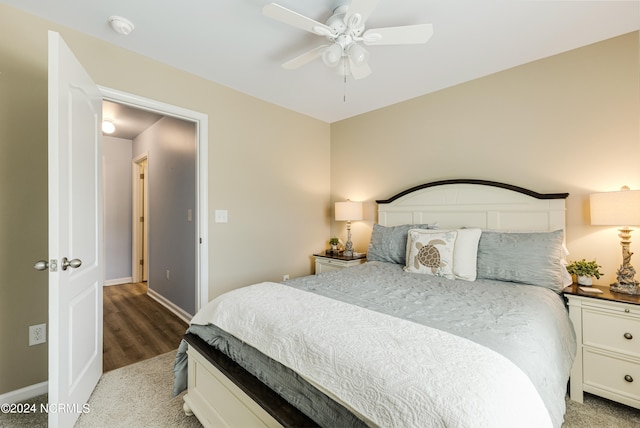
344, 34
338, 25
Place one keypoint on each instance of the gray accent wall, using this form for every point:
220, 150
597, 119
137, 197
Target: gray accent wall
116, 153
171, 147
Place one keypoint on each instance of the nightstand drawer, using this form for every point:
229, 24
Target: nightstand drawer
328, 263
611, 374
616, 308
611, 331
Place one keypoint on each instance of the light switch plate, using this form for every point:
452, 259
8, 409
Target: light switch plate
222, 216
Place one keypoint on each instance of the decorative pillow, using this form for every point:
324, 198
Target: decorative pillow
389, 243
529, 258
465, 254
431, 252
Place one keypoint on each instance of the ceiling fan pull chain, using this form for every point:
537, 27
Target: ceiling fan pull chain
344, 94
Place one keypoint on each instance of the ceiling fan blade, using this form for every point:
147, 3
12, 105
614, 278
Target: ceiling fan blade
294, 19
362, 8
407, 35
305, 58
359, 71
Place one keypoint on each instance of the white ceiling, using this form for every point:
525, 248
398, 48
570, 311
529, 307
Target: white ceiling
230, 42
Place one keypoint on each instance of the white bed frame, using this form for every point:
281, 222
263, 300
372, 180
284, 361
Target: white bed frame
218, 401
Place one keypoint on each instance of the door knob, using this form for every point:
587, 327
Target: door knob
41, 265
75, 263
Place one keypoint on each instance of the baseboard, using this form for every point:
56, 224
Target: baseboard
177, 311
25, 393
118, 281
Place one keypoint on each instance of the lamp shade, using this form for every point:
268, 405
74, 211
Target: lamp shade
348, 211
621, 208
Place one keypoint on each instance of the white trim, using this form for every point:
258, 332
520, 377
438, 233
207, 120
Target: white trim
117, 281
202, 170
25, 393
179, 312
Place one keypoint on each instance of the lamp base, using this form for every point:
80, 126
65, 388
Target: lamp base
626, 283
348, 247
626, 288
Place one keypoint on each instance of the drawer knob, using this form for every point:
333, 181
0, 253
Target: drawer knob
628, 336
628, 378
627, 310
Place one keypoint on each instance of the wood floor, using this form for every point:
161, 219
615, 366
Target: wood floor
136, 327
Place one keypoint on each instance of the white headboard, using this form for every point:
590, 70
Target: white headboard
474, 203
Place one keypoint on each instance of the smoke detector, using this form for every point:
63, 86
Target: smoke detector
121, 25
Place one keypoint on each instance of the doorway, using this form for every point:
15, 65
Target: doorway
199, 212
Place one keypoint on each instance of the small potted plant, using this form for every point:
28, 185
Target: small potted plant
585, 271
334, 243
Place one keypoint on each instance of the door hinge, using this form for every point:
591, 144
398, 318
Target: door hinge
141, 219
141, 262
141, 176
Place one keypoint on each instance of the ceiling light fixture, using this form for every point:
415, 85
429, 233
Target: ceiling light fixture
108, 127
121, 25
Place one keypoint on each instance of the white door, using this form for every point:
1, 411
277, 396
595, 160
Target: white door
75, 235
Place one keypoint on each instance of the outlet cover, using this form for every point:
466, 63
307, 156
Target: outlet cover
37, 334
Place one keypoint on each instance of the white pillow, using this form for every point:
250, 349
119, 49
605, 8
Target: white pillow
431, 252
465, 254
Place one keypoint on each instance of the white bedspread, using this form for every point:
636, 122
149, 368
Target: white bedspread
391, 372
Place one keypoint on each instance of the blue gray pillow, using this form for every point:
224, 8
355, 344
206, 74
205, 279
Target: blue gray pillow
389, 243
529, 258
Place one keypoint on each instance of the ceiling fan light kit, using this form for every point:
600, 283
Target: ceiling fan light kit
331, 55
358, 54
345, 30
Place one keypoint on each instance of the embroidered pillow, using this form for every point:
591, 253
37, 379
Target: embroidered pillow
431, 252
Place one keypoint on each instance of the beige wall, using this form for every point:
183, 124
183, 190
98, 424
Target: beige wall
568, 123
23, 209
269, 167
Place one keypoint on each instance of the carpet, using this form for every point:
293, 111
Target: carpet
135, 396
139, 395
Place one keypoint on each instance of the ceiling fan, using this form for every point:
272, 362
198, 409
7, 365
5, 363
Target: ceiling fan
344, 31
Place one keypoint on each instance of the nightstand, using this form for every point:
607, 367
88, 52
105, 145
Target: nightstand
607, 327
327, 262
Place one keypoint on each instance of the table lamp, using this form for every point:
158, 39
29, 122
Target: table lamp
348, 211
621, 208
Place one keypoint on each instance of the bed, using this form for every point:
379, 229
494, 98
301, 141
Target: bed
456, 319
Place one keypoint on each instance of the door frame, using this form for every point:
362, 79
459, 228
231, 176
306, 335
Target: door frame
140, 205
201, 122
